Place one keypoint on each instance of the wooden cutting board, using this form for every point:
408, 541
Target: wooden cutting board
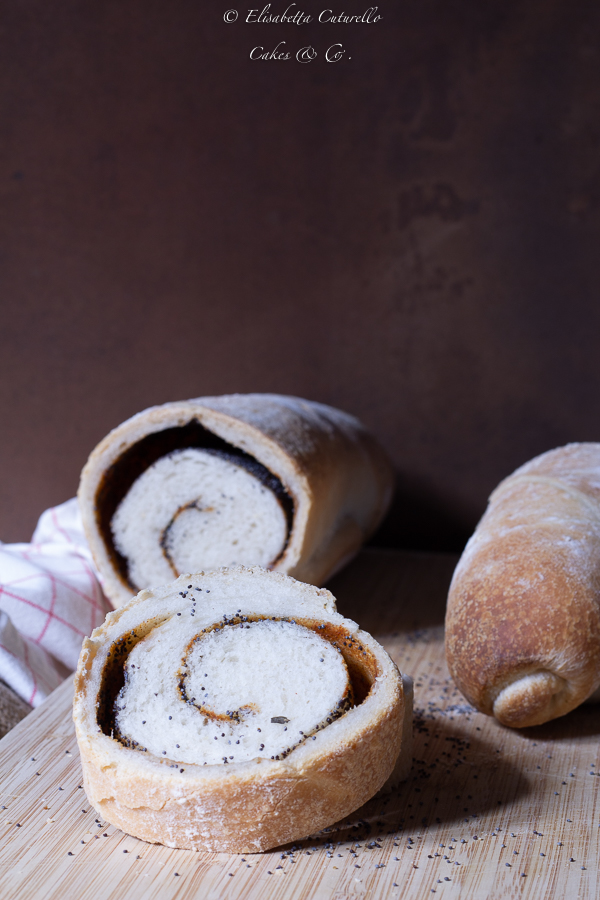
487, 812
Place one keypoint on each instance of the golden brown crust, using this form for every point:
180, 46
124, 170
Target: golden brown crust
338, 476
523, 618
251, 806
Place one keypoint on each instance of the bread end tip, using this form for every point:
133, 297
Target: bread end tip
531, 699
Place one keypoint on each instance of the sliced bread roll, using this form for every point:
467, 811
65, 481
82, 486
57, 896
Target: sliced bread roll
255, 479
523, 618
235, 711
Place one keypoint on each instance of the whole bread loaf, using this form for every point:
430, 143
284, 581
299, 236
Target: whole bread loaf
523, 617
236, 711
243, 479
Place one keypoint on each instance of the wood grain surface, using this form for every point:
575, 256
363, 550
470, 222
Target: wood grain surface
486, 812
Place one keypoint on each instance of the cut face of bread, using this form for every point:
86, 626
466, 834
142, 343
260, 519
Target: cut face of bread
182, 499
283, 684
198, 508
235, 710
254, 479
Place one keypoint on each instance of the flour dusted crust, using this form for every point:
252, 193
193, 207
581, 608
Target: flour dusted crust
254, 805
523, 619
337, 476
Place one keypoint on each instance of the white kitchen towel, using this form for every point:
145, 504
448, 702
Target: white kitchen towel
50, 599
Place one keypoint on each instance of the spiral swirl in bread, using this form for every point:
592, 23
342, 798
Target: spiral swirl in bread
235, 710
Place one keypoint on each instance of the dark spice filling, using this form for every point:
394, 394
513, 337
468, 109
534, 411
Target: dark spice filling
360, 662
119, 478
114, 673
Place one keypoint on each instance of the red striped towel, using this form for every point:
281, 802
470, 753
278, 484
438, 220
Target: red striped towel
50, 598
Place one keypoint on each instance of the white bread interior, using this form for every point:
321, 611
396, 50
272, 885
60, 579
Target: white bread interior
338, 479
251, 688
256, 803
195, 509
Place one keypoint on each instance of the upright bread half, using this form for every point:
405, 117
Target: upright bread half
244, 479
523, 619
235, 711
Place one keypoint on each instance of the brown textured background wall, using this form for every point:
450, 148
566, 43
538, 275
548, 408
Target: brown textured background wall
411, 235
